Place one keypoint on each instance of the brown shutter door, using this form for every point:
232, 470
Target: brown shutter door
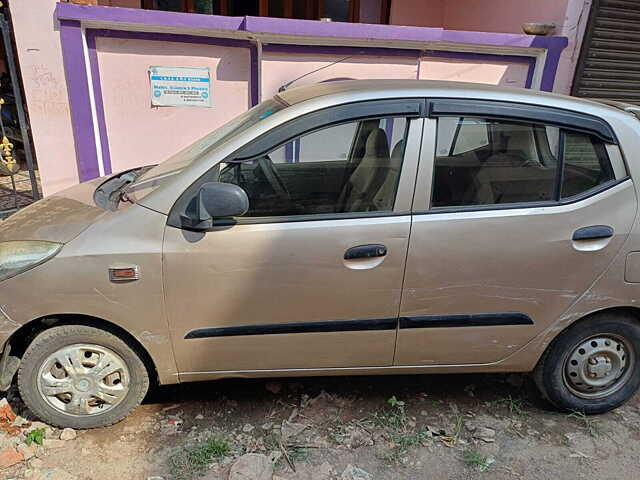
609, 64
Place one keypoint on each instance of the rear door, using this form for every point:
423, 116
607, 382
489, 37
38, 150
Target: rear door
515, 217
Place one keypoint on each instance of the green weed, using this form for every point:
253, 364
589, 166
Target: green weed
591, 425
192, 462
514, 405
404, 438
473, 458
35, 436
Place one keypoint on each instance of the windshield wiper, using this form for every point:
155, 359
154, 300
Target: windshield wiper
113, 191
124, 197
118, 191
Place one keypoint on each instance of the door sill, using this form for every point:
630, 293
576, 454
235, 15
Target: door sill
499, 366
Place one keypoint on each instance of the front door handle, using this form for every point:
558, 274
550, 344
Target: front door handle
365, 251
594, 232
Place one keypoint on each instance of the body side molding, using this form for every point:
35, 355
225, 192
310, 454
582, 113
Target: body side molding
466, 320
375, 324
297, 327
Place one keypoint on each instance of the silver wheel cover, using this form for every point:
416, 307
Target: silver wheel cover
83, 379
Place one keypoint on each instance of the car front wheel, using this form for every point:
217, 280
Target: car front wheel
592, 366
81, 377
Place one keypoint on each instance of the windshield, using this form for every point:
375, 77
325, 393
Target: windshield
145, 183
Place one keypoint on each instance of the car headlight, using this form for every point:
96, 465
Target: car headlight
19, 256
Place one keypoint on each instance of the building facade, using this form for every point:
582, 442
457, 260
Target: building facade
88, 87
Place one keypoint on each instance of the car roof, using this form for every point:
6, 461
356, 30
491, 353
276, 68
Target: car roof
627, 107
372, 89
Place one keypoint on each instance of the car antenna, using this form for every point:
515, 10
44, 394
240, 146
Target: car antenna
288, 84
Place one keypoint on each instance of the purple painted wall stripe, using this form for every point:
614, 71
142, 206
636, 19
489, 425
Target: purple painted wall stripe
78, 91
97, 95
555, 47
147, 17
301, 27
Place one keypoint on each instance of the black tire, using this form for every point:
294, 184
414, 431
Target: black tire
53, 339
549, 374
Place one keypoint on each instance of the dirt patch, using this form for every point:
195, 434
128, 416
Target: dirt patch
401, 427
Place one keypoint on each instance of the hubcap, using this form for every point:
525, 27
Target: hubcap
599, 366
83, 379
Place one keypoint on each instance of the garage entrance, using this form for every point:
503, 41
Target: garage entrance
609, 64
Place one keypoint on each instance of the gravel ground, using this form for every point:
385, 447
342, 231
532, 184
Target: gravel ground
400, 427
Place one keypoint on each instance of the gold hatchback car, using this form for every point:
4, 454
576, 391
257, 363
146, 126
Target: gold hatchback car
354, 227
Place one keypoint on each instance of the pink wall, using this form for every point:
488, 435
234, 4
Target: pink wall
477, 15
507, 16
140, 134
280, 68
38, 48
501, 15
479, 71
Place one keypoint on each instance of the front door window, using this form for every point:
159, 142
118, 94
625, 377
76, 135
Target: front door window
346, 168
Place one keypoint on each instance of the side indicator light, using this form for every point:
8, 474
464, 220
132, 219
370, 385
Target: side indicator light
124, 274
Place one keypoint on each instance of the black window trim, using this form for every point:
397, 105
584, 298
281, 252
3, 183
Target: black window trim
557, 193
407, 107
326, 117
523, 115
522, 205
529, 113
318, 217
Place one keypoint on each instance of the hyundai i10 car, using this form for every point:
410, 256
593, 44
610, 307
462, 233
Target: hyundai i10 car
351, 227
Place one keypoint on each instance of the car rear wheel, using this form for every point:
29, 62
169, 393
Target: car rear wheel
593, 365
81, 377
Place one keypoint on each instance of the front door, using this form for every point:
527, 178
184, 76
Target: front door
311, 276
514, 221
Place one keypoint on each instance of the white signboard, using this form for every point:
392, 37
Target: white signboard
180, 86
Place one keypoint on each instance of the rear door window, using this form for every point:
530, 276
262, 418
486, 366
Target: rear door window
483, 161
586, 164
487, 162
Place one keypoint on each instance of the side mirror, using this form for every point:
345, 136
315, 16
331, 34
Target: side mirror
214, 200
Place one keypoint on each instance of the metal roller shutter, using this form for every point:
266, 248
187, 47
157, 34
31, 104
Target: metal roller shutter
609, 64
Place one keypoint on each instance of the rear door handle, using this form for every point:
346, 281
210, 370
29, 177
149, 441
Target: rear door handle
594, 232
365, 251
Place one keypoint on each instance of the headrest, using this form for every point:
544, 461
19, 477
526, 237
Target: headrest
377, 144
